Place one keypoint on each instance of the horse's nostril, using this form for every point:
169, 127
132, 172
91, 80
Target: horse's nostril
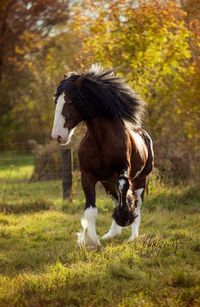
59, 138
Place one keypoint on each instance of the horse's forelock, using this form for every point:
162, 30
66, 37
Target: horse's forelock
100, 93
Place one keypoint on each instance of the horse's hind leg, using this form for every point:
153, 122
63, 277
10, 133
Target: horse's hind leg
139, 193
114, 228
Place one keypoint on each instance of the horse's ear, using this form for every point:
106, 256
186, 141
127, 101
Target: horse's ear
66, 76
79, 80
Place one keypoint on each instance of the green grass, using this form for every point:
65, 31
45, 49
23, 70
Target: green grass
15, 166
41, 264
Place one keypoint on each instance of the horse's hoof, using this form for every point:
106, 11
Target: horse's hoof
85, 241
81, 238
107, 236
132, 238
93, 246
111, 234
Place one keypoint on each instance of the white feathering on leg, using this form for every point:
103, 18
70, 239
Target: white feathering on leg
88, 237
81, 235
113, 231
136, 224
114, 228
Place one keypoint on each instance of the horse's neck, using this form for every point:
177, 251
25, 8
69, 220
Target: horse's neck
107, 132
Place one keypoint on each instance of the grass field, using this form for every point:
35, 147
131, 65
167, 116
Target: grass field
41, 265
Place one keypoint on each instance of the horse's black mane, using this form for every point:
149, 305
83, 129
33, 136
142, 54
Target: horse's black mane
99, 93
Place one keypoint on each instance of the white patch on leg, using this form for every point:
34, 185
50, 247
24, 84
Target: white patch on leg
113, 231
136, 224
88, 237
121, 184
138, 193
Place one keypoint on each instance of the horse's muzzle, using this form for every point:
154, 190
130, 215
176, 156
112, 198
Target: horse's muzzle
124, 216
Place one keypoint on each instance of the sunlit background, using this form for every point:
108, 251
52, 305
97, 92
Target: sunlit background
155, 47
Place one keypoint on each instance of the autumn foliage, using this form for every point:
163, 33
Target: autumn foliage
154, 45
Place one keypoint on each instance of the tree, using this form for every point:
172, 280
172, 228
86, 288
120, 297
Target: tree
24, 26
153, 46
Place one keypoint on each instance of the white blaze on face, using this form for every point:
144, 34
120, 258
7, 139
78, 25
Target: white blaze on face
59, 121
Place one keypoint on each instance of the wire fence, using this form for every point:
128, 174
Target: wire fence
30, 171
35, 171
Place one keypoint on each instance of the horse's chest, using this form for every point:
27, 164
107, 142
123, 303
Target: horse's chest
101, 165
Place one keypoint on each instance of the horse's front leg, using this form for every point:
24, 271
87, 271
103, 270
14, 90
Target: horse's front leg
88, 237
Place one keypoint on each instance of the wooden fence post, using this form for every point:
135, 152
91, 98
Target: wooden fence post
66, 172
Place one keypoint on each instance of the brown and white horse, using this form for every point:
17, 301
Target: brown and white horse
115, 149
